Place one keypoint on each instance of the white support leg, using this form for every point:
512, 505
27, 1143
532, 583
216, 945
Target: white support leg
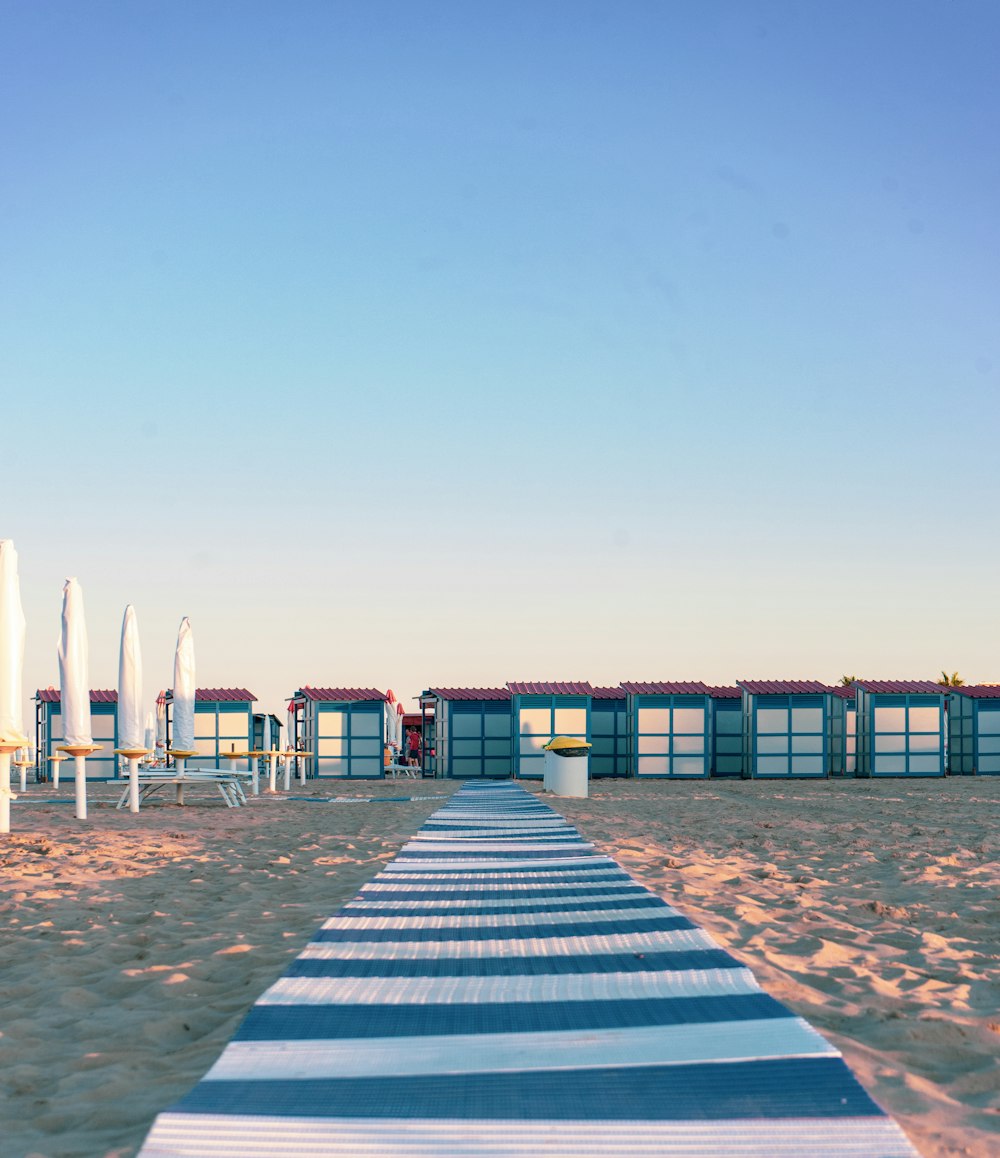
5, 793
81, 787
179, 762
133, 784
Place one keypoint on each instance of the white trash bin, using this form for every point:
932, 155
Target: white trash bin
567, 767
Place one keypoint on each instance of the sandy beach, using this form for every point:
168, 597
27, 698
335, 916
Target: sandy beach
133, 946
869, 907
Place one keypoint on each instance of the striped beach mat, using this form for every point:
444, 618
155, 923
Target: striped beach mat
502, 988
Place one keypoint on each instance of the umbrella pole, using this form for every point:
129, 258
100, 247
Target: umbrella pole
6, 796
288, 773
133, 783
272, 771
81, 787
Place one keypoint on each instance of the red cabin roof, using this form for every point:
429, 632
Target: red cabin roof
669, 688
846, 692
978, 691
726, 692
616, 693
550, 689
902, 687
225, 695
470, 693
785, 687
216, 695
52, 696
340, 695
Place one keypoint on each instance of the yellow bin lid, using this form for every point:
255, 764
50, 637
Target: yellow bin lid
568, 746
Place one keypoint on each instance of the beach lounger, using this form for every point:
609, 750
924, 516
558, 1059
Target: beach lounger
228, 784
503, 988
395, 770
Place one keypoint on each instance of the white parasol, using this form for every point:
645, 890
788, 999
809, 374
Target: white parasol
74, 682
149, 740
390, 718
11, 647
182, 739
11, 672
161, 726
131, 731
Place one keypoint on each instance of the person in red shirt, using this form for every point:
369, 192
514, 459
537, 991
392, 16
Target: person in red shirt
413, 745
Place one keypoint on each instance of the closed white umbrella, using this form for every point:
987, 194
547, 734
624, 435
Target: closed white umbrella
161, 727
74, 681
390, 717
74, 689
131, 729
131, 733
149, 738
11, 668
182, 740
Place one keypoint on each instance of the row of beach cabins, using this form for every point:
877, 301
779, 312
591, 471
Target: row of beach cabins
755, 729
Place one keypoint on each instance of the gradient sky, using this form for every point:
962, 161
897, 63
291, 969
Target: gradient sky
436, 343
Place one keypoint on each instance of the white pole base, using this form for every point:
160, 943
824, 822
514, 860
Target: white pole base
81, 787
133, 784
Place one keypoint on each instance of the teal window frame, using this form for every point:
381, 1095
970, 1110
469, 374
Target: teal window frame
534, 769
351, 710
477, 755
872, 762
788, 703
671, 704
102, 765
235, 734
727, 745
609, 737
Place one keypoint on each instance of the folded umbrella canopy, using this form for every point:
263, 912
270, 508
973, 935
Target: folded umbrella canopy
182, 739
390, 718
11, 647
161, 725
131, 731
74, 683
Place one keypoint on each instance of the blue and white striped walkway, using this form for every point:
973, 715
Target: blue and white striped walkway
504, 989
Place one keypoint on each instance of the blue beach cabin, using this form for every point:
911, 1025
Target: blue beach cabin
472, 731
844, 731
727, 731
901, 728
344, 729
974, 730
103, 765
786, 727
223, 722
671, 729
609, 732
542, 711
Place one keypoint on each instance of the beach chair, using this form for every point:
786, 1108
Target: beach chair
396, 770
150, 782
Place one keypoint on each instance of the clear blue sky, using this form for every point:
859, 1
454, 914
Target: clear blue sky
445, 343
